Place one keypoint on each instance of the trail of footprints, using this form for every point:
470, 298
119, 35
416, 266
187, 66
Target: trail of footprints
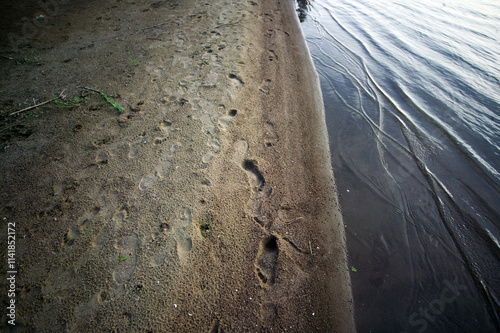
267, 256
268, 253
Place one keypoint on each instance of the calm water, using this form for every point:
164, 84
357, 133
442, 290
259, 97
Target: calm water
412, 96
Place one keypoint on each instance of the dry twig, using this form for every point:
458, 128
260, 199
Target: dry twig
92, 89
39, 104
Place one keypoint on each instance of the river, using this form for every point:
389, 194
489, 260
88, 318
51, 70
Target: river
412, 101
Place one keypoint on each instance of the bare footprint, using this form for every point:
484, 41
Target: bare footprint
270, 136
165, 127
255, 177
159, 140
133, 151
208, 157
265, 87
182, 235
225, 120
102, 157
272, 55
207, 123
266, 261
236, 80
69, 239
152, 178
240, 151
184, 245
214, 143
90, 214
161, 253
66, 184
119, 218
127, 258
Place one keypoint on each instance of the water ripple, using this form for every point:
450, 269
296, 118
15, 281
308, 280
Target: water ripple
411, 92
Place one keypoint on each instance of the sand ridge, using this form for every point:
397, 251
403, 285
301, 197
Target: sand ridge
208, 205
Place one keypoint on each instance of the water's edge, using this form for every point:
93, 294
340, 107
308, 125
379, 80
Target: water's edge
413, 119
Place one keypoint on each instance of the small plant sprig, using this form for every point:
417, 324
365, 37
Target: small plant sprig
134, 62
113, 103
77, 101
106, 97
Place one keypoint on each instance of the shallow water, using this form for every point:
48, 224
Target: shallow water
412, 100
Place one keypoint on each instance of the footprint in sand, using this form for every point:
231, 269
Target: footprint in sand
173, 149
181, 230
119, 218
133, 151
215, 145
270, 136
265, 87
159, 140
207, 123
184, 245
272, 55
78, 229
161, 245
259, 192
255, 177
266, 261
163, 251
165, 127
225, 120
208, 157
70, 237
127, 258
240, 151
60, 187
152, 178
89, 216
102, 157
236, 81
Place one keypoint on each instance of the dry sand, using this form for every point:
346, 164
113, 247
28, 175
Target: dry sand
208, 205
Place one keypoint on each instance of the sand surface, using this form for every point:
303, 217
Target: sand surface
207, 205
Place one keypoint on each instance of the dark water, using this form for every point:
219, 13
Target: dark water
412, 99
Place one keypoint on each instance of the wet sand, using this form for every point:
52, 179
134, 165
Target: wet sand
208, 204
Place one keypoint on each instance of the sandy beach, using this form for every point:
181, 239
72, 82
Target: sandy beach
177, 180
